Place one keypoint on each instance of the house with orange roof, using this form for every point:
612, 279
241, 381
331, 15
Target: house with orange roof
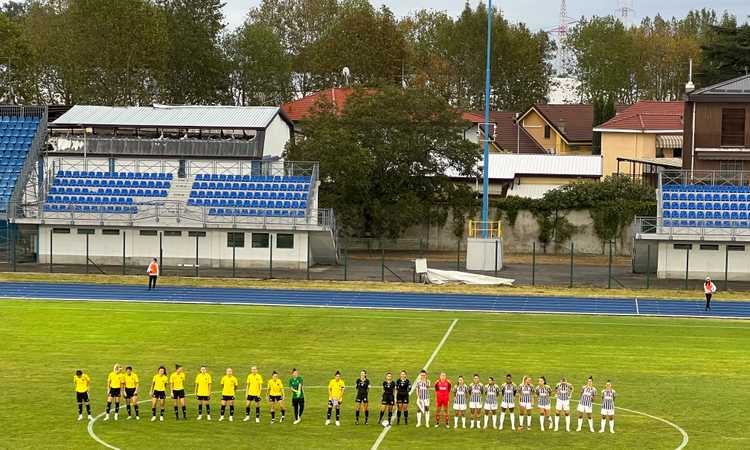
301, 109
643, 138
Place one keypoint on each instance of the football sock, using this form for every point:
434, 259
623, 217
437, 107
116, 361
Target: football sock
109, 406
176, 412
580, 423
612, 425
557, 421
231, 410
446, 419
567, 423
136, 410
283, 413
494, 421
406, 416
88, 409
273, 415
604, 423
502, 419
328, 414
541, 422
257, 412
437, 419
127, 407
486, 419
356, 415
223, 409
161, 412
117, 407
153, 411
184, 412
247, 410
208, 409
380, 419
200, 409
367, 415
591, 424
80, 408
398, 416
390, 415
419, 418
528, 421
338, 414
512, 421
463, 421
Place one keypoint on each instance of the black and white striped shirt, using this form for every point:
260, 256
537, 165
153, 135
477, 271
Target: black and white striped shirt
509, 393
542, 395
492, 391
608, 399
563, 391
460, 392
526, 391
587, 395
476, 392
423, 389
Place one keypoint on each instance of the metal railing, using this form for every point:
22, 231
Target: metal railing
704, 177
693, 228
185, 148
492, 229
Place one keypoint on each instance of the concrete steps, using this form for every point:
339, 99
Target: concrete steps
180, 191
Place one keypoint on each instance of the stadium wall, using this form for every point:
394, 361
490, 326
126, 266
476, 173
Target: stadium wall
68, 245
703, 259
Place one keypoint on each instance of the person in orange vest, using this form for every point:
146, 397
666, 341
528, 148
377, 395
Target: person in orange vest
708, 288
153, 272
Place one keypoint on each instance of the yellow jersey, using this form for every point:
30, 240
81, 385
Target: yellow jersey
275, 387
229, 385
177, 380
115, 380
131, 380
254, 384
82, 382
336, 390
160, 382
203, 381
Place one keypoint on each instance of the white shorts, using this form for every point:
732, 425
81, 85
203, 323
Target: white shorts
562, 405
544, 407
584, 409
490, 407
458, 407
423, 404
508, 405
525, 405
608, 412
475, 405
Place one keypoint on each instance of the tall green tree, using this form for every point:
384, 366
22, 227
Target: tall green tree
385, 160
726, 55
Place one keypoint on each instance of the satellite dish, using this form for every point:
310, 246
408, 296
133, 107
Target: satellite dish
346, 73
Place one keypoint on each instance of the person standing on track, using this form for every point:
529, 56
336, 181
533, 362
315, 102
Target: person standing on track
298, 395
253, 386
708, 288
82, 383
422, 386
114, 390
403, 386
177, 384
388, 399
132, 383
442, 397
203, 384
153, 273
361, 403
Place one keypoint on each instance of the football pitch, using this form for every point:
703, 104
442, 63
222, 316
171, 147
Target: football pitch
676, 379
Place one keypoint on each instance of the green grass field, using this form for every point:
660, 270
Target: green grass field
690, 372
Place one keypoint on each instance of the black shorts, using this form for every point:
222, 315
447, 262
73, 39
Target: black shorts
204, 398
402, 399
129, 392
178, 393
160, 394
114, 392
82, 397
253, 398
274, 398
362, 397
387, 400
226, 398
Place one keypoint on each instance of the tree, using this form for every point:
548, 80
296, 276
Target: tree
385, 160
726, 55
195, 70
14, 61
261, 68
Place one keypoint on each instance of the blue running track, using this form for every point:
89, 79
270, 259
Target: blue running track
379, 300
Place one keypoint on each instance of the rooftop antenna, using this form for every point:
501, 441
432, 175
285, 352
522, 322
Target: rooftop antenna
346, 73
689, 86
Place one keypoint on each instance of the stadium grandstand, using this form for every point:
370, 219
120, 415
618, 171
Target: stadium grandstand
121, 180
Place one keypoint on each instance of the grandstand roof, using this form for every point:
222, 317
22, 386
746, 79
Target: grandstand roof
507, 167
167, 116
507, 137
733, 87
647, 117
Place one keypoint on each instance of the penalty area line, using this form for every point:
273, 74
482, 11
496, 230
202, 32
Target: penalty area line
385, 431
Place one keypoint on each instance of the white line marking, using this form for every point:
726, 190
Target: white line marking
385, 431
684, 434
637, 312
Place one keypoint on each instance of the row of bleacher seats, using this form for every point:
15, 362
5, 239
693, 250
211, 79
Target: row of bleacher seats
219, 186
700, 196
718, 206
723, 215
115, 175
250, 195
108, 191
16, 135
684, 223
704, 188
71, 199
705, 206
151, 184
272, 204
253, 178
255, 212
114, 209
21, 119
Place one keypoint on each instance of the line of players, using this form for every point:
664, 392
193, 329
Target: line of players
482, 401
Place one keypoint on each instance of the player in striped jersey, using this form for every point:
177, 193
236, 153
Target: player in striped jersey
422, 387
563, 391
492, 392
526, 394
542, 392
460, 399
475, 400
509, 392
608, 407
585, 404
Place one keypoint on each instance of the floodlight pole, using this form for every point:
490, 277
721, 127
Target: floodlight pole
485, 166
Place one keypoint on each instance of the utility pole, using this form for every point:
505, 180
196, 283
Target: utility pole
486, 165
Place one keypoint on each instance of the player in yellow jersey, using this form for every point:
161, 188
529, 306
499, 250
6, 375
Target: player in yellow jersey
158, 392
253, 386
335, 397
203, 383
177, 382
115, 382
276, 396
229, 385
132, 382
82, 382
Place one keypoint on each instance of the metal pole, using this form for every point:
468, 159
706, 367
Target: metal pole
571, 265
123, 251
87, 252
382, 261
196, 253
308, 256
609, 277
648, 266
270, 258
726, 267
50, 249
234, 254
486, 165
496, 249
687, 265
533, 263
458, 254
161, 254
346, 262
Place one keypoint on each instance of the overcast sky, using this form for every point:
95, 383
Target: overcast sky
543, 14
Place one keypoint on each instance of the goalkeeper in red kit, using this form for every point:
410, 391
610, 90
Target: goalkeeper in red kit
442, 396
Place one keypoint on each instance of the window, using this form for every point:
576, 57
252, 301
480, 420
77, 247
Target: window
677, 153
683, 246
260, 240
546, 132
61, 230
284, 240
172, 233
709, 246
733, 127
235, 240
86, 231
110, 232
148, 233
197, 233
730, 168
736, 248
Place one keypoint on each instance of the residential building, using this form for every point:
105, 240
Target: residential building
507, 137
560, 129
